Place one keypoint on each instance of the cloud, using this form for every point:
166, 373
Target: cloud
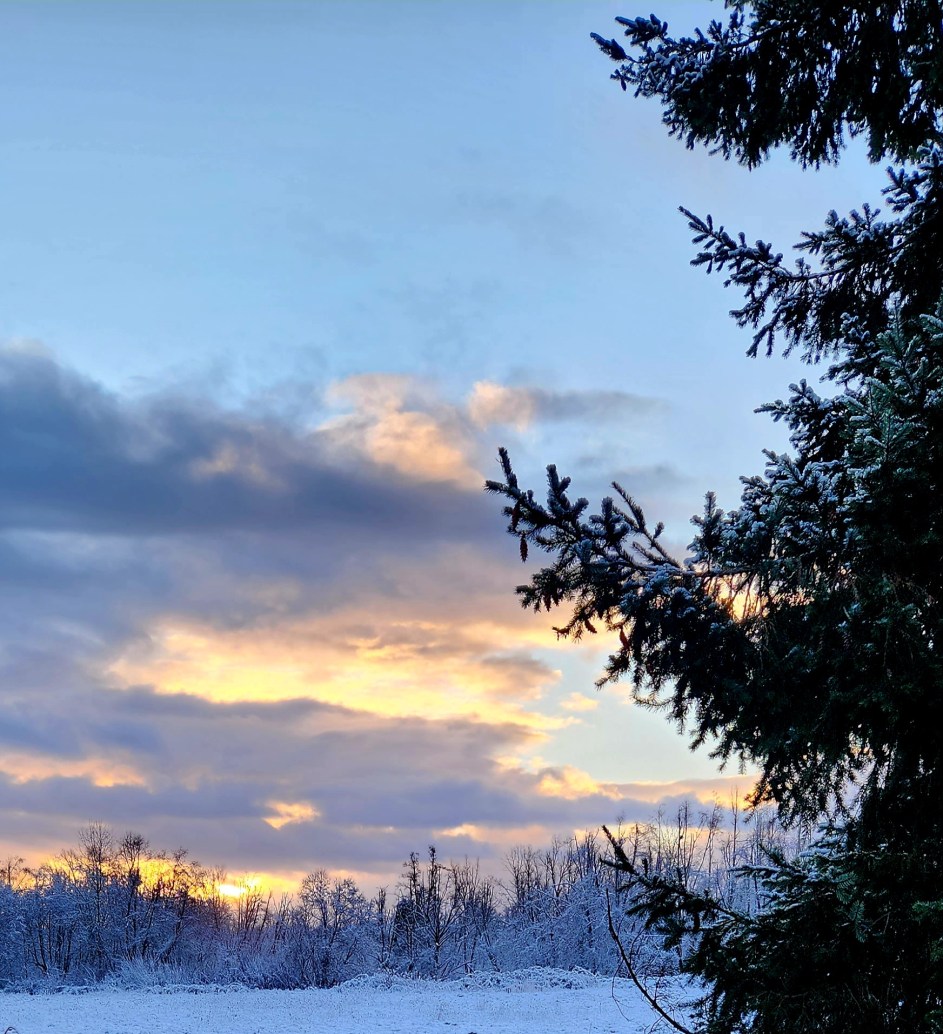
393, 427
572, 784
392, 666
287, 786
326, 772
579, 702
283, 644
286, 812
520, 407
78, 459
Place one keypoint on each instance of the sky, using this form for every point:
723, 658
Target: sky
276, 281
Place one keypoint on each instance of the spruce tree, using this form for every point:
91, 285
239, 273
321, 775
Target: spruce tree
801, 634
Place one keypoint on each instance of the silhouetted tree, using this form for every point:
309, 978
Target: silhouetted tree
801, 633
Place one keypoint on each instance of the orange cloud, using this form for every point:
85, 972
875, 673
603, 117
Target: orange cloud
99, 771
434, 657
416, 437
572, 783
287, 812
500, 836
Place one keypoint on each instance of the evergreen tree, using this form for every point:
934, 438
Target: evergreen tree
801, 633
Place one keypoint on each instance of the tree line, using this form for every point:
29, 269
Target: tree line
112, 909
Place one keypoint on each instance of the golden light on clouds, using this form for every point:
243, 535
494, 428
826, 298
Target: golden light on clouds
287, 812
466, 829
571, 783
424, 443
500, 836
491, 403
393, 669
722, 789
99, 771
579, 702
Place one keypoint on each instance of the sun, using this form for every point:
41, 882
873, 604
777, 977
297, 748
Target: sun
240, 889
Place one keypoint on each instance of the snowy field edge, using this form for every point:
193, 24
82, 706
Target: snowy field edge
522, 1002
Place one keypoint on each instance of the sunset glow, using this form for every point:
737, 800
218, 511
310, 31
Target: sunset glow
396, 671
265, 327
248, 885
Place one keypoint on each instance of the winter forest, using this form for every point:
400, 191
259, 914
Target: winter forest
111, 910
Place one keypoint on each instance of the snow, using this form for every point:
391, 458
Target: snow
529, 1002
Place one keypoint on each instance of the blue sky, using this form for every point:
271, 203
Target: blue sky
277, 279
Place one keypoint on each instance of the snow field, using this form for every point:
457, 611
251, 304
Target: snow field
532, 1002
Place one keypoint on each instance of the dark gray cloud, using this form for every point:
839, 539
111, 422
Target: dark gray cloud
213, 773
74, 458
114, 511
119, 517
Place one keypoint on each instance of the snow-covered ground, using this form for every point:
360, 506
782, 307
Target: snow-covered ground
529, 1002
